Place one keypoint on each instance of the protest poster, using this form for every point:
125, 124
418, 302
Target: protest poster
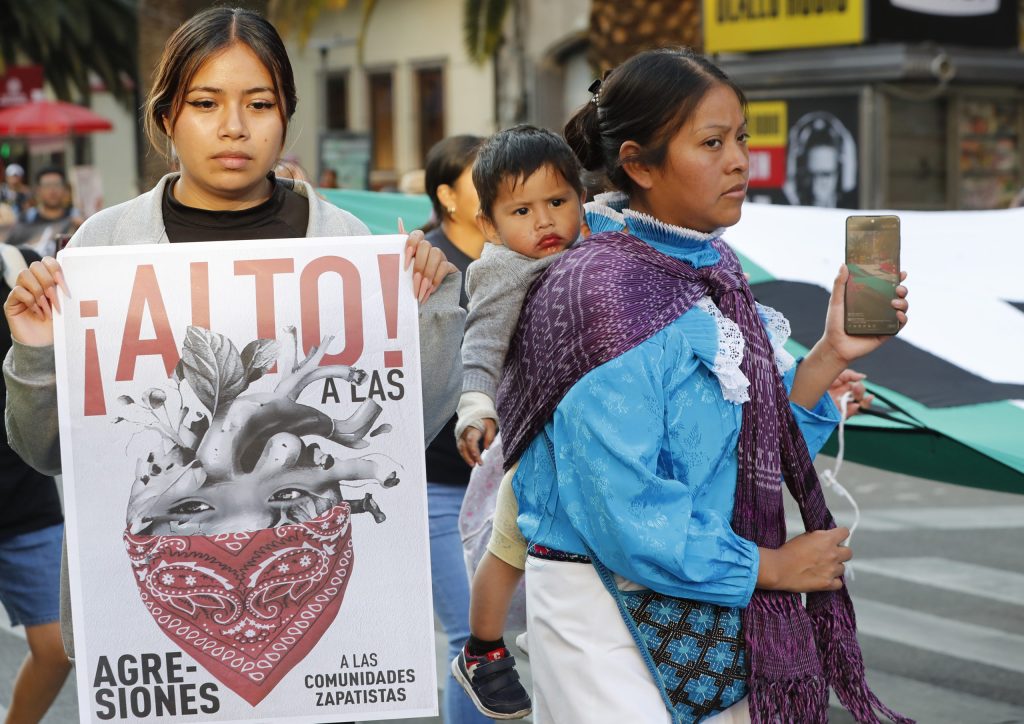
242, 447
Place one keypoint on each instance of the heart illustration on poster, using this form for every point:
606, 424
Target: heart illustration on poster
247, 606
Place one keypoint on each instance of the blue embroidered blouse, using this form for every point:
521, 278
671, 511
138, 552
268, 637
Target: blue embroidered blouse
638, 462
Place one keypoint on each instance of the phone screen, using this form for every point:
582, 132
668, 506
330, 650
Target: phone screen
873, 258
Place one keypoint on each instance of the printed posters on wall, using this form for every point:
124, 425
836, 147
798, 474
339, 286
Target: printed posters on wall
750, 25
242, 446
803, 151
985, 23
753, 25
989, 151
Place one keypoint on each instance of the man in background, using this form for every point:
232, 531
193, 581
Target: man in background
51, 219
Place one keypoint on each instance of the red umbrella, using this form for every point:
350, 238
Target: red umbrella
50, 118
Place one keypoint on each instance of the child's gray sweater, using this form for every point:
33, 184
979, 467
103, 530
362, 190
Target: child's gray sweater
497, 284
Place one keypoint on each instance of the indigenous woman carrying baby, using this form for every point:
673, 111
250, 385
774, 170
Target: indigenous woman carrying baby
655, 415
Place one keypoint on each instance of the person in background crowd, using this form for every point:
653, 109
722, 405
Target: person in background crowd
223, 95
53, 217
31, 528
449, 184
14, 190
8, 218
413, 182
328, 179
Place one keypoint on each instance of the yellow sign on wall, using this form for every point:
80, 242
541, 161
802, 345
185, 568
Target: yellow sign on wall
767, 123
742, 25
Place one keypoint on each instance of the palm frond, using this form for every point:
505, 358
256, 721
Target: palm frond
299, 17
482, 22
494, 21
70, 39
472, 12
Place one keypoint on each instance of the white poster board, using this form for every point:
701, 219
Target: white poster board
242, 446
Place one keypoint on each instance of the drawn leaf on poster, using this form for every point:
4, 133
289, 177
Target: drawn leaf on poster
212, 367
258, 357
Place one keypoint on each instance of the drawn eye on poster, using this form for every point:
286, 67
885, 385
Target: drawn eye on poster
242, 447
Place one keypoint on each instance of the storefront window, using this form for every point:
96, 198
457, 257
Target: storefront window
337, 102
430, 104
382, 120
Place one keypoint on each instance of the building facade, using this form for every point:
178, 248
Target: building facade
374, 120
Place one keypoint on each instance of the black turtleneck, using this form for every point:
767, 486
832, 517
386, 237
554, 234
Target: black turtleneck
284, 215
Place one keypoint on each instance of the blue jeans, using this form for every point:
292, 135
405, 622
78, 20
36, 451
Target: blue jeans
451, 592
30, 576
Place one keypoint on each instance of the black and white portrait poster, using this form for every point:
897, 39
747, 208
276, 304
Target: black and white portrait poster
809, 157
242, 445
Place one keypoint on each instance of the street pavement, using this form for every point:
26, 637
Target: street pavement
938, 585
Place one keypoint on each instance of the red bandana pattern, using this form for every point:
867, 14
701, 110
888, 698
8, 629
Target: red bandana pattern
247, 606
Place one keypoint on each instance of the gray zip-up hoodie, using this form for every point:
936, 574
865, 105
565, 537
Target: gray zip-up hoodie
31, 412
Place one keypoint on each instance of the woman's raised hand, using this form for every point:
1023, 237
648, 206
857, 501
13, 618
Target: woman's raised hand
810, 562
29, 306
849, 347
430, 265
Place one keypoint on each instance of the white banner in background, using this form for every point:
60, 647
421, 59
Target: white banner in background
965, 271
242, 444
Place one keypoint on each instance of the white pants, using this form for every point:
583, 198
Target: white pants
586, 667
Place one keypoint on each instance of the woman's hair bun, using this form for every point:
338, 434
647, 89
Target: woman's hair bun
583, 134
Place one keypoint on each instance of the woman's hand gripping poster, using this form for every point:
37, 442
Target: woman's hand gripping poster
242, 447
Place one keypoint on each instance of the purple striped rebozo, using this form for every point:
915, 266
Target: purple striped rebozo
610, 294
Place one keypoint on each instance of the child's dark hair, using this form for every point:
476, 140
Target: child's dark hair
446, 161
646, 100
514, 155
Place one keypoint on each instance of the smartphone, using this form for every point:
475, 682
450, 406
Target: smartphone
873, 258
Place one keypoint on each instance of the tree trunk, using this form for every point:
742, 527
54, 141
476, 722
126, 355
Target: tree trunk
620, 29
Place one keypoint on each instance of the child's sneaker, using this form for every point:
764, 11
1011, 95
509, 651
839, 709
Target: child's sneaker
492, 682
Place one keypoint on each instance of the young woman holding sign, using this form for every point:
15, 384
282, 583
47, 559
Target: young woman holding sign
222, 97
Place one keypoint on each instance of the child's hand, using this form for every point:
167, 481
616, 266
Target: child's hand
430, 266
469, 442
848, 347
